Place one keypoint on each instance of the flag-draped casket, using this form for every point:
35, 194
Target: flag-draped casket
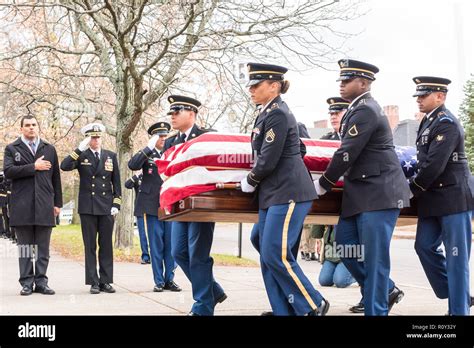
200, 176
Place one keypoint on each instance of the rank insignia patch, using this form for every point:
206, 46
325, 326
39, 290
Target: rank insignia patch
353, 131
270, 136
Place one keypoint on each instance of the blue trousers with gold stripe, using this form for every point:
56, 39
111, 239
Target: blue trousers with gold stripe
288, 289
364, 240
448, 274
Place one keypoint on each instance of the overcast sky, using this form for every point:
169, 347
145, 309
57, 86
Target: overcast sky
404, 39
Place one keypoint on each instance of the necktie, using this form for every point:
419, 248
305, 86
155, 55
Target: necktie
33, 147
181, 139
97, 157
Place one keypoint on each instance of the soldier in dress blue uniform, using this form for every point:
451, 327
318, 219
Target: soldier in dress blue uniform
375, 188
285, 195
134, 183
337, 109
146, 210
100, 197
444, 188
191, 241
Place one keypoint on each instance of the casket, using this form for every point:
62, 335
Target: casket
192, 172
230, 205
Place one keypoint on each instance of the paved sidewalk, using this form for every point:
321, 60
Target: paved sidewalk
243, 285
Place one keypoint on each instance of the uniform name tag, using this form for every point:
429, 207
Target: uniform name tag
86, 164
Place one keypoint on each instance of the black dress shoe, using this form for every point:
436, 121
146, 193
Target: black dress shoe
321, 311
221, 299
172, 286
106, 287
44, 289
358, 308
267, 314
157, 288
394, 297
27, 290
95, 289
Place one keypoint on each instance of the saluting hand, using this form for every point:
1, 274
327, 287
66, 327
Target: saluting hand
84, 144
152, 142
41, 164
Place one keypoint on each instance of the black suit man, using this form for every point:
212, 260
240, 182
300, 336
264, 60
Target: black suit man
32, 166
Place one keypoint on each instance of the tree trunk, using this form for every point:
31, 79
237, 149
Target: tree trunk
124, 220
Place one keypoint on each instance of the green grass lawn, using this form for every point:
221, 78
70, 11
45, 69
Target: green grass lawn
67, 240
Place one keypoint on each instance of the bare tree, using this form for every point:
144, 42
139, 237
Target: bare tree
114, 61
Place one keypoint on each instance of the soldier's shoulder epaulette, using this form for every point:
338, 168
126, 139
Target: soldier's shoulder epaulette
274, 106
445, 117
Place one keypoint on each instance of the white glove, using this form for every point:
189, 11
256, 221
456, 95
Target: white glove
152, 142
319, 189
84, 144
114, 211
245, 186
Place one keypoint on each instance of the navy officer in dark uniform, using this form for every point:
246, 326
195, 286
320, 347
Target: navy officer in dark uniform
146, 208
100, 197
375, 188
191, 241
285, 195
444, 188
337, 109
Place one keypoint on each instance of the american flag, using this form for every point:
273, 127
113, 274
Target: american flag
196, 166
408, 160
